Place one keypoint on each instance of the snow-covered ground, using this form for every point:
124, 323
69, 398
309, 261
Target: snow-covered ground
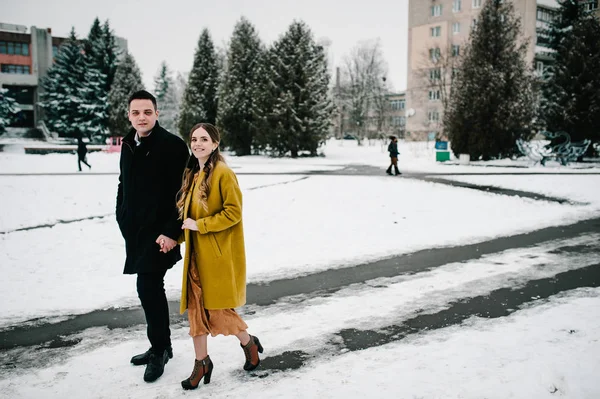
414, 157
294, 225
301, 223
548, 347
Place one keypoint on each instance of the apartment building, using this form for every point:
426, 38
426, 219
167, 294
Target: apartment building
25, 57
438, 32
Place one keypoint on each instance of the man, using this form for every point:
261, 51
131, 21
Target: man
393, 150
152, 164
81, 152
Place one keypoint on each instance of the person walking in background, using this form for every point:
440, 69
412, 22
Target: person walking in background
214, 269
152, 164
82, 152
393, 150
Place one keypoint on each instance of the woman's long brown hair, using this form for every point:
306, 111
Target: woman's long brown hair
193, 167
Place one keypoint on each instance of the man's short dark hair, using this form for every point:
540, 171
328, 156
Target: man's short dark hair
142, 95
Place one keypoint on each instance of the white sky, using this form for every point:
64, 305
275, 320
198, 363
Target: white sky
159, 30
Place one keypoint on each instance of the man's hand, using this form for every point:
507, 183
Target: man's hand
190, 224
166, 244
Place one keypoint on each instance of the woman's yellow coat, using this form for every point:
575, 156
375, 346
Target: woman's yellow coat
218, 245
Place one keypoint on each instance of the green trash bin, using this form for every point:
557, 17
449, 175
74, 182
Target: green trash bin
441, 151
441, 156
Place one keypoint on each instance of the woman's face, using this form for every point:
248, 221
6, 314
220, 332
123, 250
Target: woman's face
202, 145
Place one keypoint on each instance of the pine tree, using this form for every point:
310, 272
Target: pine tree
237, 98
199, 102
298, 108
62, 86
128, 79
101, 61
111, 54
571, 88
164, 90
8, 109
493, 100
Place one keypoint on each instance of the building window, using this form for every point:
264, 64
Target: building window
397, 104
14, 69
590, 5
14, 48
433, 116
455, 50
456, 5
434, 95
54, 51
397, 120
435, 74
17, 69
435, 54
436, 10
21, 94
476, 3
456, 27
539, 67
436, 31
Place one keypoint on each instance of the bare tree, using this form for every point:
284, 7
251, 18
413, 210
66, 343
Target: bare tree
362, 85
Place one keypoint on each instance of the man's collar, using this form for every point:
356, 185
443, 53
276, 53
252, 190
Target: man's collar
138, 139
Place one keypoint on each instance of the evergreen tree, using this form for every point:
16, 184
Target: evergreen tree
92, 46
111, 54
128, 80
101, 62
571, 88
492, 103
8, 109
294, 95
164, 90
237, 98
62, 86
199, 102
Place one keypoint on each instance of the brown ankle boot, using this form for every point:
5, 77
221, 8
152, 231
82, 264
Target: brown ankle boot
202, 368
251, 350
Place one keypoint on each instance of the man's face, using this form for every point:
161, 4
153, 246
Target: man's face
142, 116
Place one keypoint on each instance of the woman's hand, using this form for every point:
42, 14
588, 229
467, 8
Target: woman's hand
190, 224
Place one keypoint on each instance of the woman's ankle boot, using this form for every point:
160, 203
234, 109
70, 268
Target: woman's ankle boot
251, 350
202, 369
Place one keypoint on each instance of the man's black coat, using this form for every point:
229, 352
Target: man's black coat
146, 198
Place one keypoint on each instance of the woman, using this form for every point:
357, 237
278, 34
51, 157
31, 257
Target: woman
393, 150
214, 271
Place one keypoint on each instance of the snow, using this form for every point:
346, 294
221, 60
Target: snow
549, 3
296, 224
417, 157
344, 220
548, 347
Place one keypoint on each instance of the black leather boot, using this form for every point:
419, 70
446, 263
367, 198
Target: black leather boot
142, 358
156, 365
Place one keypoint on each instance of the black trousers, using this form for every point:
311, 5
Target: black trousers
80, 160
151, 291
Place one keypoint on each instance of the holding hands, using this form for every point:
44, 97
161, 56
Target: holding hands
190, 224
166, 243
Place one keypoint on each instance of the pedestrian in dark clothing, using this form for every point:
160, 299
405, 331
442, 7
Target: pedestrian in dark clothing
82, 153
393, 150
152, 164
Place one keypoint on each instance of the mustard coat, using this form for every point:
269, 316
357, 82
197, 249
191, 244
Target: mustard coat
219, 243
